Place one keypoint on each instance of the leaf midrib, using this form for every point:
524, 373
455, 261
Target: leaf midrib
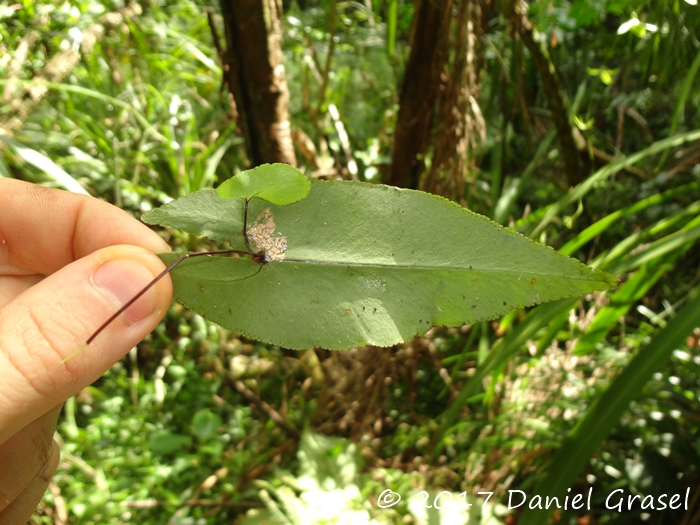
421, 268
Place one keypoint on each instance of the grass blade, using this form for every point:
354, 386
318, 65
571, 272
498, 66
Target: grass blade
606, 411
502, 351
46, 165
602, 174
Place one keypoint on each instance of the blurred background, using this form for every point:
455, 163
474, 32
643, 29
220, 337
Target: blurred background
574, 122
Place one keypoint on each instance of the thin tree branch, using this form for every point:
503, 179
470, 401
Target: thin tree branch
553, 89
329, 57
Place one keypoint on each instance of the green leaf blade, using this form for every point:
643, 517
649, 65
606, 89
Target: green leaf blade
203, 213
368, 264
302, 305
279, 184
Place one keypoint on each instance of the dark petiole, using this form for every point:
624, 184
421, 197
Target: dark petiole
258, 257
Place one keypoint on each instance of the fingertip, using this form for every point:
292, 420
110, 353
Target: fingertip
133, 279
122, 280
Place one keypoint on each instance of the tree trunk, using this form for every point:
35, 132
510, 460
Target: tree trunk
461, 123
421, 84
255, 76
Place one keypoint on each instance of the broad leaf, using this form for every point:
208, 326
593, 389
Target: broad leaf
364, 264
276, 183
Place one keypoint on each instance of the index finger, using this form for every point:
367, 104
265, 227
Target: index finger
43, 230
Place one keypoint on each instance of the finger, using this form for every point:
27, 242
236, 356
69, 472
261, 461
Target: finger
21, 509
51, 320
25, 456
42, 230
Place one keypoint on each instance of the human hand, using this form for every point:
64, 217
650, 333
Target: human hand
67, 262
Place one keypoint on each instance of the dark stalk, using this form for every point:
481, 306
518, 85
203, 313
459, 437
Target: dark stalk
258, 257
255, 256
245, 226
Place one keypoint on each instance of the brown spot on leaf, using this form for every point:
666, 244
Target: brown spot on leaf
262, 235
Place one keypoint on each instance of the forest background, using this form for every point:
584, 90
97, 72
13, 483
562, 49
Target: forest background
574, 122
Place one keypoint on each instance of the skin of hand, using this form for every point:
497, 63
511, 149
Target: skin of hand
67, 262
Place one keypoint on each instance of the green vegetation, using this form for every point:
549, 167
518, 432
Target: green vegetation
199, 424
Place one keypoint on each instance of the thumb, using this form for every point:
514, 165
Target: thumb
52, 319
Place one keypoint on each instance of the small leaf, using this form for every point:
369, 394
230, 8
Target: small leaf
328, 461
365, 264
630, 24
279, 184
164, 442
205, 424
